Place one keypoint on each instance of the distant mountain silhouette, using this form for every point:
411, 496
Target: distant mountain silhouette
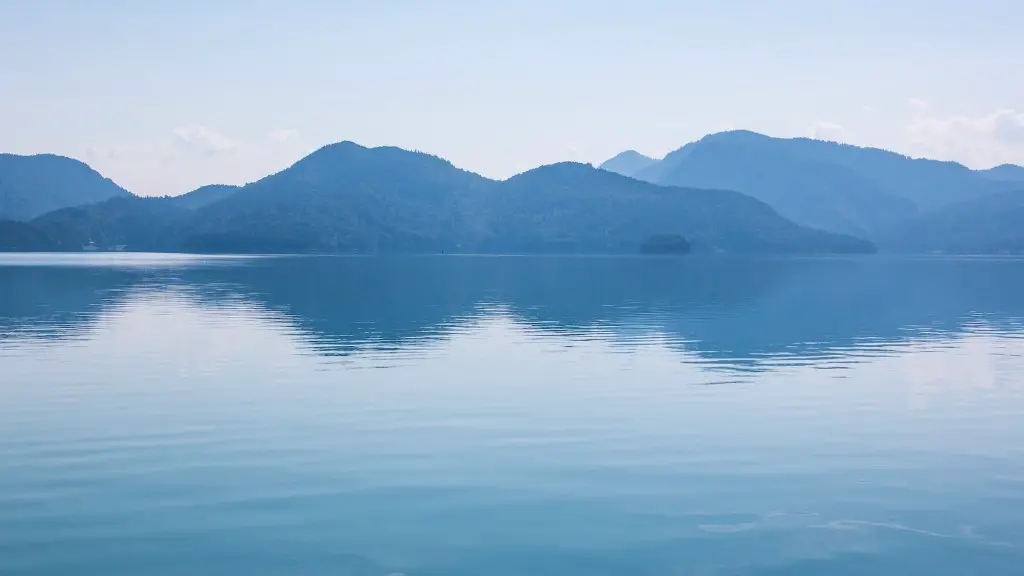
816, 194
826, 185
205, 195
628, 163
345, 198
577, 208
1005, 172
992, 224
34, 185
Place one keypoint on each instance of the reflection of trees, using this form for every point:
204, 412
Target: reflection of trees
56, 302
736, 310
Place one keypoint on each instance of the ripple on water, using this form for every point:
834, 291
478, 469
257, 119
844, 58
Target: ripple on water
169, 415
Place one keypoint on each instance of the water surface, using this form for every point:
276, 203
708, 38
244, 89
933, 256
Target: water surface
510, 416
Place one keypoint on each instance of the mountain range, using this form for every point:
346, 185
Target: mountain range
733, 192
866, 192
345, 198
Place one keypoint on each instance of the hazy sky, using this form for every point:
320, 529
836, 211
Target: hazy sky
163, 96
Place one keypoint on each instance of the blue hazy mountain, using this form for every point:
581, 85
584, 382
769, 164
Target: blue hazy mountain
34, 185
1005, 173
812, 193
346, 198
992, 224
205, 195
628, 163
572, 207
826, 185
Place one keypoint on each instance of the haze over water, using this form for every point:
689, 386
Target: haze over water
510, 415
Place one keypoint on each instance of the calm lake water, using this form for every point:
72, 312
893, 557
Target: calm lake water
448, 416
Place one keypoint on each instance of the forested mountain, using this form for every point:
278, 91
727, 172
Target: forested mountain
1005, 172
141, 224
21, 237
347, 198
826, 185
816, 194
992, 224
34, 185
573, 207
729, 192
205, 195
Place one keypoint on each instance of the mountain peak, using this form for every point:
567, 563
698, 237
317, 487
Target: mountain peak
33, 185
627, 163
343, 147
47, 160
1005, 172
565, 169
825, 185
737, 135
350, 152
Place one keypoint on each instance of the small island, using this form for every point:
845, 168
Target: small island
665, 244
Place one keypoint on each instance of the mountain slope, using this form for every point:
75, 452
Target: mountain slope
1004, 173
142, 224
990, 225
21, 237
205, 195
815, 194
33, 185
928, 183
345, 198
576, 208
827, 185
628, 163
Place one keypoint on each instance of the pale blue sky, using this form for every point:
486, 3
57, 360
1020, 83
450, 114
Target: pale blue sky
163, 96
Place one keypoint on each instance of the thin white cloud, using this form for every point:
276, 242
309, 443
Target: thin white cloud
193, 155
917, 103
830, 131
204, 139
1008, 126
285, 135
977, 141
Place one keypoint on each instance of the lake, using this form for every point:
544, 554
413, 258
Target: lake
482, 416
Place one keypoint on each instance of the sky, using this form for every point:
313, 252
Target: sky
165, 96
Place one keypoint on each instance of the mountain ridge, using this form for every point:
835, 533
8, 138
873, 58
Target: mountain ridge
32, 185
348, 198
1005, 172
205, 195
992, 224
828, 185
345, 197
